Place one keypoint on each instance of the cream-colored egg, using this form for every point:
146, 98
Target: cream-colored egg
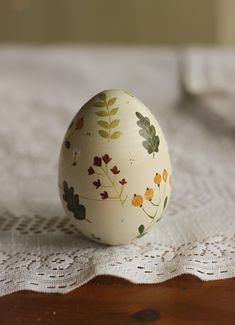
114, 169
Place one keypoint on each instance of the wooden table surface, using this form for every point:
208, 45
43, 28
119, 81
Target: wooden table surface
109, 300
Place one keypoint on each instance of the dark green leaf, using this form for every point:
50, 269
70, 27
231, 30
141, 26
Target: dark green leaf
156, 143
146, 121
67, 144
148, 132
140, 116
72, 200
65, 186
141, 229
152, 131
80, 212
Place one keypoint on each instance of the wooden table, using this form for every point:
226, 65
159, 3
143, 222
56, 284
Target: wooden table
109, 300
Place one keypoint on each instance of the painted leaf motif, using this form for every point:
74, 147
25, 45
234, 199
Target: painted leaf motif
114, 123
102, 96
147, 121
140, 116
102, 113
148, 132
116, 135
152, 131
103, 133
80, 213
112, 101
72, 200
141, 229
107, 112
67, 144
140, 124
113, 111
156, 142
99, 104
144, 133
147, 146
104, 124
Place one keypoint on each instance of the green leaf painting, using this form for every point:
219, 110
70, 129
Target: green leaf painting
100, 104
141, 229
116, 135
108, 124
103, 134
102, 113
104, 124
72, 200
148, 132
113, 111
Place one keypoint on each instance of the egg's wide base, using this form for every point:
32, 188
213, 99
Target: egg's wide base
113, 243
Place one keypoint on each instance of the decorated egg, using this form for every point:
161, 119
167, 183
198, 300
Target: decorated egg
114, 169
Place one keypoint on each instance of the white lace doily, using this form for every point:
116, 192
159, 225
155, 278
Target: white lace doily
40, 91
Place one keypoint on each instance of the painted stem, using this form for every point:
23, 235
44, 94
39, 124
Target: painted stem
107, 106
114, 198
113, 184
156, 205
124, 200
147, 213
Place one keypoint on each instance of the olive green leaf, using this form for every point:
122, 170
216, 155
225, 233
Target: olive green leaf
99, 104
148, 132
114, 111
107, 124
72, 200
114, 123
103, 133
102, 96
104, 124
116, 135
112, 101
102, 113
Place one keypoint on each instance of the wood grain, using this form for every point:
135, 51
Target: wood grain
109, 300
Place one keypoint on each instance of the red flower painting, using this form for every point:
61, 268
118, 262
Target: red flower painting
112, 189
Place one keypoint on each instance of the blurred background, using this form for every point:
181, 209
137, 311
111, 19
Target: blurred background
165, 22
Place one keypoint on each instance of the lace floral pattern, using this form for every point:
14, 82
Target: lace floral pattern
61, 266
39, 248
